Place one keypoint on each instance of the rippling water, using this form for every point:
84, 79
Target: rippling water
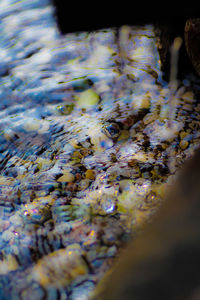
86, 149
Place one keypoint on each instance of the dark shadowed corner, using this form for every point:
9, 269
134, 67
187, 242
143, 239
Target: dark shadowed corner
86, 16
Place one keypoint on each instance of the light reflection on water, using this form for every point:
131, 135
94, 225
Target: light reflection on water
64, 183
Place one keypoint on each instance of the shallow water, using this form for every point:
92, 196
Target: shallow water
86, 148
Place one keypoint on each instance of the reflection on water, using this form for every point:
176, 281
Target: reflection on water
85, 149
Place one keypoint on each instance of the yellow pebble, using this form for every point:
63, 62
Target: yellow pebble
87, 98
183, 144
60, 267
43, 163
9, 264
90, 174
77, 154
146, 102
124, 135
45, 199
32, 125
187, 107
188, 97
66, 177
183, 134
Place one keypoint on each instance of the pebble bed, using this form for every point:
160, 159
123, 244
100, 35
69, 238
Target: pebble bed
89, 142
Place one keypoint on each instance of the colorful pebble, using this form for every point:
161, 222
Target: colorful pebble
86, 148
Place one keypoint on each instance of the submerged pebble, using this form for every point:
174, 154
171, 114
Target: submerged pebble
60, 267
112, 130
87, 148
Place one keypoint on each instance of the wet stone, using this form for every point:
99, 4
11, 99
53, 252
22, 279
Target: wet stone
112, 130
60, 267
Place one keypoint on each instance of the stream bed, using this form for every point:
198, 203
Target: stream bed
89, 143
